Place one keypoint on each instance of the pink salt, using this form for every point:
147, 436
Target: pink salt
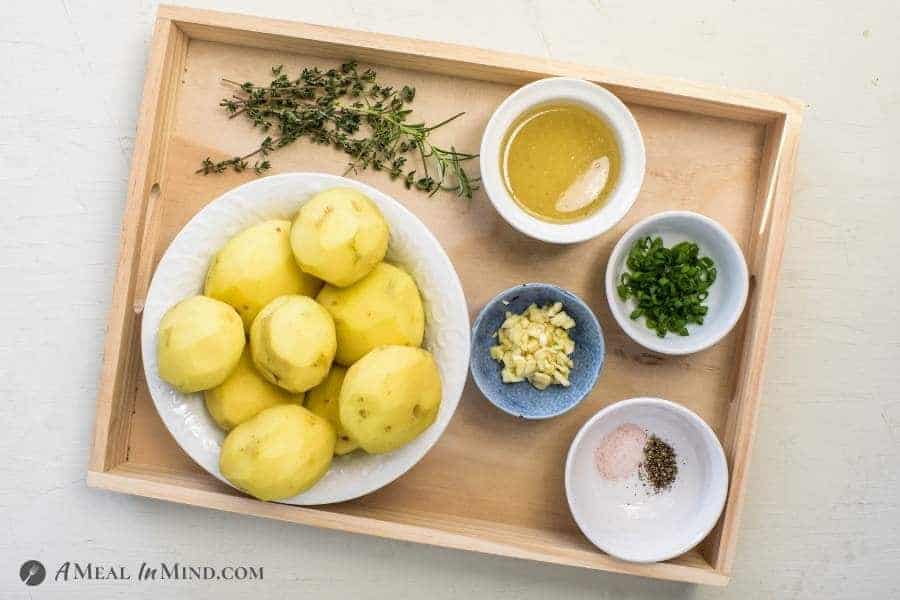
621, 451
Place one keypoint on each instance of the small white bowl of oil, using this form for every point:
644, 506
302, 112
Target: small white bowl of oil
562, 160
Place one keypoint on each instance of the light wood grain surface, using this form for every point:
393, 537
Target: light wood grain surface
712, 155
821, 514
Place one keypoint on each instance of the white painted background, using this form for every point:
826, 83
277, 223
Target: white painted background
823, 514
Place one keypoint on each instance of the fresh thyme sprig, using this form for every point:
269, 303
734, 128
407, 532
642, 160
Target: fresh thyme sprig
353, 112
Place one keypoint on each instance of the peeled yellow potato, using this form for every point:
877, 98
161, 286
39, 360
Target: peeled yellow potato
282, 451
323, 401
339, 236
199, 342
389, 397
244, 394
292, 342
383, 308
255, 267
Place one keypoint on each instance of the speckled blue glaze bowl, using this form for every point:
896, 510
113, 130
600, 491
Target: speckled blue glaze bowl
522, 399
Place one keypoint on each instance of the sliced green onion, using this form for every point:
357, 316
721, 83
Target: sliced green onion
669, 285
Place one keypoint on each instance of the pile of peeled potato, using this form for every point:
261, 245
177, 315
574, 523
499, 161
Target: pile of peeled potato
330, 326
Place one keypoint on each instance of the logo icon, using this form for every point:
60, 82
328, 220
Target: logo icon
32, 572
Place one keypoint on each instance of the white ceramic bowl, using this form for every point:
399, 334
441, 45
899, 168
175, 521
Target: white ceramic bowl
594, 98
181, 271
727, 296
630, 522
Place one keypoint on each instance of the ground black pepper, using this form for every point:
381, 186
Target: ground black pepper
659, 467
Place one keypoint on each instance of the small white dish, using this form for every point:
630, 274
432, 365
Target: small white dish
634, 523
594, 98
727, 296
180, 274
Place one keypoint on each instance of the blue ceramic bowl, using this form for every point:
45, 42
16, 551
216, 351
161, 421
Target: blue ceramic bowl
522, 399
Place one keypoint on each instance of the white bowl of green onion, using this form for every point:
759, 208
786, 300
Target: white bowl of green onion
677, 282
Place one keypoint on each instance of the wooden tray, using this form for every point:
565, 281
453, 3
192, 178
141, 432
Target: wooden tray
492, 483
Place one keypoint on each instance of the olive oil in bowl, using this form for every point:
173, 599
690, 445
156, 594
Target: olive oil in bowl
560, 162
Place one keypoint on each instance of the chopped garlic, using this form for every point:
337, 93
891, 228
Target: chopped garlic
535, 346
